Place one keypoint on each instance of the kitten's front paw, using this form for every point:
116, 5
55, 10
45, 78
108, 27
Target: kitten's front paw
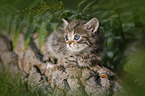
49, 66
50, 59
46, 58
52, 66
70, 61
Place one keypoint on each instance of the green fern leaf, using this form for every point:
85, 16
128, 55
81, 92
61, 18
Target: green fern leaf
1, 24
136, 62
13, 24
16, 37
29, 34
7, 23
17, 28
80, 3
88, 6
27, 40
42, 34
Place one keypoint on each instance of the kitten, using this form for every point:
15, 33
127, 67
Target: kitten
78, 43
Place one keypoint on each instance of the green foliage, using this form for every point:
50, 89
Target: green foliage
79, 5
135, 61
7, 23
88, 5
42, 34
10, 86
1, 23
31, 19
29, 34
120, 20
16, 28
13, 24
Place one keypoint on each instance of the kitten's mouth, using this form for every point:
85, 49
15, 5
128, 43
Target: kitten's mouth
76, 47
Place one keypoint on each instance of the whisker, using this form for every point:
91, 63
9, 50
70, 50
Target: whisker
62, 50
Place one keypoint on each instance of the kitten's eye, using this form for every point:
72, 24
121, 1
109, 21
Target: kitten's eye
76, 37
66, 37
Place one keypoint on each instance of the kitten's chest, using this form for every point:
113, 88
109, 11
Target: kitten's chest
75, 57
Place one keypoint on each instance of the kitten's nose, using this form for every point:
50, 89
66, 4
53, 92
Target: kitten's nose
69, 42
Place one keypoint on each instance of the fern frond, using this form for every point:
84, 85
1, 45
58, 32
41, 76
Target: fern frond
42, 33
29, 34
86, 7
80, 3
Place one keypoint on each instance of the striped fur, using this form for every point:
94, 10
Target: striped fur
84, 52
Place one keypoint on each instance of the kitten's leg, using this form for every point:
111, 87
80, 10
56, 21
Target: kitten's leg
46, 57
69, 61
49, 58
89, 60
74, 61
84, 62
52, 66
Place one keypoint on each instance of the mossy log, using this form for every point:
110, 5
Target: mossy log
49, 79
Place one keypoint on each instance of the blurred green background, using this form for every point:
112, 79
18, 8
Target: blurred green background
121, 21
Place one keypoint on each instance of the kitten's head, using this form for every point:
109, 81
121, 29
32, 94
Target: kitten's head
78, 34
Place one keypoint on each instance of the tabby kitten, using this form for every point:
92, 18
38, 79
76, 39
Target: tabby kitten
78, 43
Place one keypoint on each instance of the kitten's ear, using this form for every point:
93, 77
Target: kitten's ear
65, 23
92, 25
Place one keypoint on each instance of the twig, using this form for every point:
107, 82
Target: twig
119, 19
